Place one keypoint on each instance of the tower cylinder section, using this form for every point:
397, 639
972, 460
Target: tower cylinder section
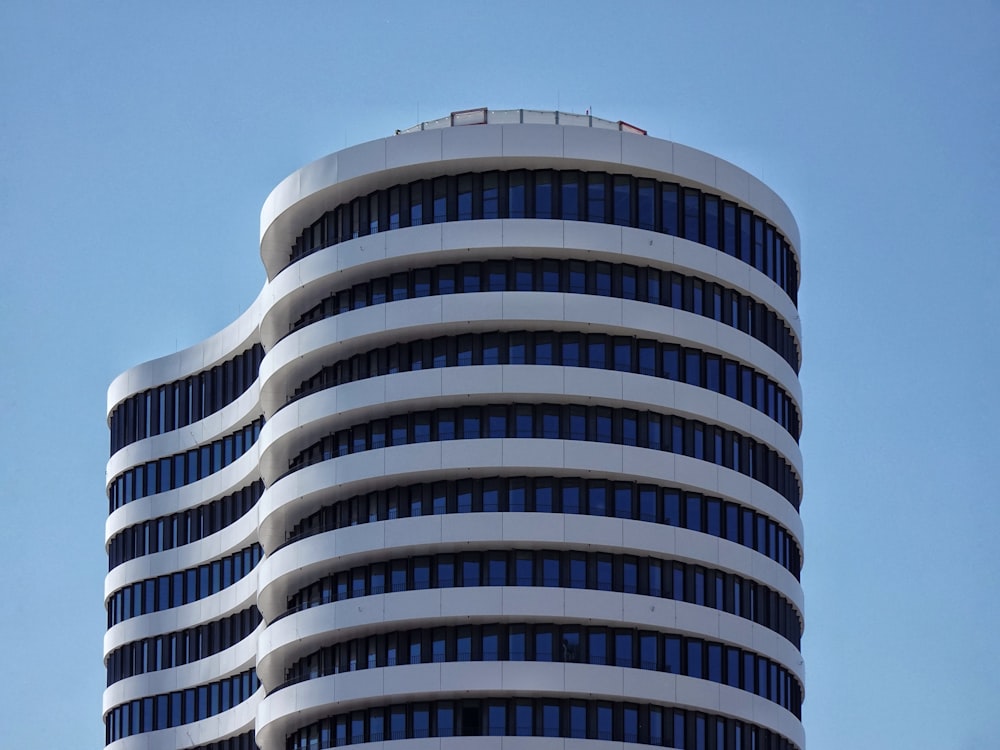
531, 455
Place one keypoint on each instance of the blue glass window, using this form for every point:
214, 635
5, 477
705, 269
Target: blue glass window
623, 501
470, 569
729, 245
445, 720
670, 210
543, 194
732, 666
603, 424
491, 644
550, 715
373, 213
571, 494
416, 203
653, 431
577, 571
597, 646
671, 362
602, 279
544, 350
570, 196
151, 477
692, 512
421, 720
646, 197
397, 722
524, 718
464, 197
516, 195
497, 423
445, 571
544, 496
577, 719
446, 280
394, 208
746, 247
672, 508
524, 569
712, 367
550, 421
692, 367
654, 583
516, 496
630, 286
604, 569
711, 221
694, 658
496, 276
491, 196
715, 662
758, 243
622, 200
550, 275
653, 284
622, 354
517, 643
421, 573
570, 351
446, 424
577, 274
656, 726
692, 215
162, 593
749, 671
550, 569
623, 648
597, 499
544, 644
496, 719
605, 722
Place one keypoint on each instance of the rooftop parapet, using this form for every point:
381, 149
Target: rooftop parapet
485, 116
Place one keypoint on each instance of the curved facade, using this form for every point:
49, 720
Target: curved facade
507, 446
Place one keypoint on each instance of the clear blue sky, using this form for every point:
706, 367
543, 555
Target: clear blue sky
138, 141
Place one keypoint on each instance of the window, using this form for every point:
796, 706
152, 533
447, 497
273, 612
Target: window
416, 203
622, 200
496, 719
692, 215
550, 718
604, 721
517, 643
516, 189
578, 719
711, 238
523, 718
714, 662
464, 197
604, 572
491, 195
646, 198
543, 194
623, 648
471, 569
570, 196
445, 719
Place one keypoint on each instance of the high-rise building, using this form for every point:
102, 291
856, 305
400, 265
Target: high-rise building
507, 446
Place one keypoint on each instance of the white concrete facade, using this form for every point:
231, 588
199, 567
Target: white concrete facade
199, 573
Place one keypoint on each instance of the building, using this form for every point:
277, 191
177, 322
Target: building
506, 446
